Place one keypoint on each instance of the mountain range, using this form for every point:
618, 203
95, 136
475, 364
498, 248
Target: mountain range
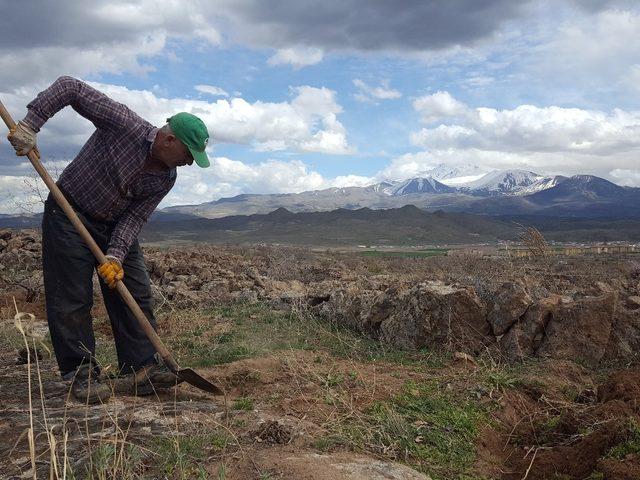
499, 192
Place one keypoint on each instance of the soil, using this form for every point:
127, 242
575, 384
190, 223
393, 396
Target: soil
562, 420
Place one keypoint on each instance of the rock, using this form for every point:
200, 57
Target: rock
14, 243
624, 341
604, 287
253, 274
559, 328
510, 303
526, 335
5, 234
633, 302
437, 315
247, 296
580, 330
464, 358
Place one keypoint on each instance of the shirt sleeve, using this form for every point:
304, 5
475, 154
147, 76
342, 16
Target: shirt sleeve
95, 106
130, 224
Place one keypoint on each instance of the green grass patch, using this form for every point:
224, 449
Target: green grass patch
427, 428
429, 252
257, 329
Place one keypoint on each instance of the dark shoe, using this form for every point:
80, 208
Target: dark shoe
147, 380
87, 387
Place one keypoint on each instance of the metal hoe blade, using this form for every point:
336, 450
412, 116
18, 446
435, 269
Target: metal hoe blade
192, 378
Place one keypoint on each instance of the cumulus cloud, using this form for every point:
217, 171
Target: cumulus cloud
438, 107
528, 128
211, 90
548, 140
298, 57
306, 123
367, 93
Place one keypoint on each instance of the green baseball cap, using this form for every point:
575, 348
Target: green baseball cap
193, 133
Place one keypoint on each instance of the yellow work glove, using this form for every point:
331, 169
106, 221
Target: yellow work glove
23, 139
111, 271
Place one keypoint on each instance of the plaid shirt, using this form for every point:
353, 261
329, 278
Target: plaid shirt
106, 180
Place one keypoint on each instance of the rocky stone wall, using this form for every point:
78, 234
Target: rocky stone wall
543, 310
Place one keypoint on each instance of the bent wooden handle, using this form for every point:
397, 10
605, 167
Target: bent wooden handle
93, 246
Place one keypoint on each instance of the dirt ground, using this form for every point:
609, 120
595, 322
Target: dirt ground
306, 399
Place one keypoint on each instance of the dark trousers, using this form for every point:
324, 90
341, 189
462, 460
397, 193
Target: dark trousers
68, 267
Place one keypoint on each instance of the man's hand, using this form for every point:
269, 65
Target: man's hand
111, 271
23, 139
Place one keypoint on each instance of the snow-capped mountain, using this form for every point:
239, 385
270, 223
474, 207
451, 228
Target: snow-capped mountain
379, 187
501, 182
544, 183
499, 192
445, 172
418, 185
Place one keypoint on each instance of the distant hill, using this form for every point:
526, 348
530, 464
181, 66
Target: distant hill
407, 225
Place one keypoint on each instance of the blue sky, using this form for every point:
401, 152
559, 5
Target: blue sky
307, 95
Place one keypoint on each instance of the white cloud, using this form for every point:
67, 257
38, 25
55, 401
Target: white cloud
307, 123
547, 140
367, 93
298, 57
439, 106
627, 177
351, 181
211, 90
527, 128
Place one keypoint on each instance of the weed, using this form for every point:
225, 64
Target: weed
630, 446
182, 456
596, 476
242, 403
109, 460
502, 380
332, 380
330, 442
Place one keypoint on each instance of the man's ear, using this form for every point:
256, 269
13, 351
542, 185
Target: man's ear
169, 138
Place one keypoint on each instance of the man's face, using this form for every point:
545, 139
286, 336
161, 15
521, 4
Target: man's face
174, 153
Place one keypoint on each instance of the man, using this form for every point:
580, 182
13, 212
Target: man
114, 184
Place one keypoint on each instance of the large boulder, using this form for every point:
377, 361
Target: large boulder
435, 315
624, 341
558, 327
524, 338
581, 330
509, 304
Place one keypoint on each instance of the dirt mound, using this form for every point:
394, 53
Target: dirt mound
548, 438
273, 432
623, 386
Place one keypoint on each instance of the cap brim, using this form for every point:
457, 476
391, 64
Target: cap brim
200, 158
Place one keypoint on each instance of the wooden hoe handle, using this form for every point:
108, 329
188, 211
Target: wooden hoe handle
93, 246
